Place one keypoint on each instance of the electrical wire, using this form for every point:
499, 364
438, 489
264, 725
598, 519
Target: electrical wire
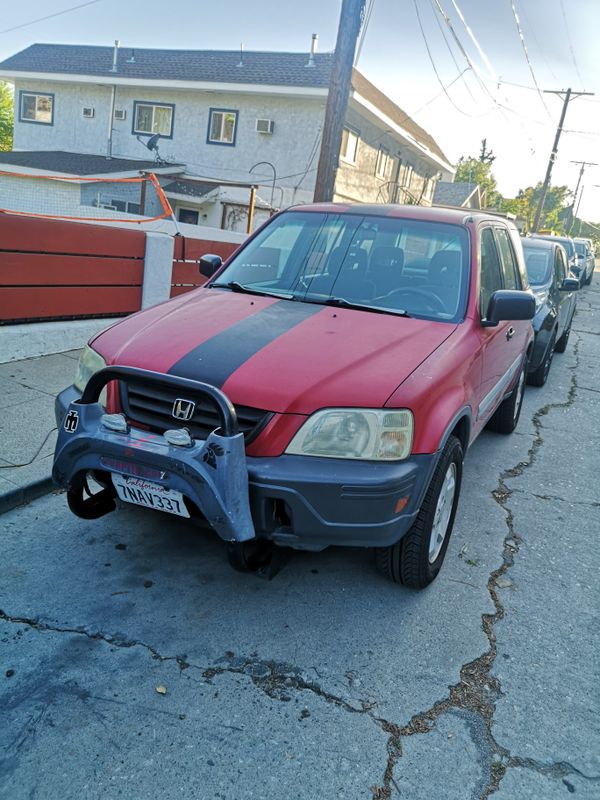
447, 43
562, 8
363, 32
479, 76
437, 75
484, 58
50, 16
529, 64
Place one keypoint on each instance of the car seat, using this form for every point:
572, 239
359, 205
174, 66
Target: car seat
385, 269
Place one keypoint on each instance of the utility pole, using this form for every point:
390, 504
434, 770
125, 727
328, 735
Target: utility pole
584, 164
568, 96
351, 18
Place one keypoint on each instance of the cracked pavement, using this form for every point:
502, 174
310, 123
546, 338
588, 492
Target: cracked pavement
327, 681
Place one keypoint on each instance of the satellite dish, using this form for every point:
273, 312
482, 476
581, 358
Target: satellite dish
152, 143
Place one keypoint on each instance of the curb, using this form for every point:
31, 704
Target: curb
21, 495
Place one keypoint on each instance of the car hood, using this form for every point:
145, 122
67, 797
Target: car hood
273, 354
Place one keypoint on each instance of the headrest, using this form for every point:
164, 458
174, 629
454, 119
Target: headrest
353, 259
445, 266
387, 257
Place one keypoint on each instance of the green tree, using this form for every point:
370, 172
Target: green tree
555, 214
6, 117
479, 170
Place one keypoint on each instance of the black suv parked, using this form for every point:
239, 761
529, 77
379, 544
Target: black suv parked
554, 287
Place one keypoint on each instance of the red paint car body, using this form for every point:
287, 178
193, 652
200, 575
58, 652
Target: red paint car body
291, 357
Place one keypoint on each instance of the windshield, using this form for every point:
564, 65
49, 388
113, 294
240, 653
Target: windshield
385, 264
539, 264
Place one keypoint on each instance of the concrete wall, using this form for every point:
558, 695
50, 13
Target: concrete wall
298, 124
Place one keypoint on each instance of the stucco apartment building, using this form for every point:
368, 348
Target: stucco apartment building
223, 120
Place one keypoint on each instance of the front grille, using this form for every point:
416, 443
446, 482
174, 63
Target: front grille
152, 407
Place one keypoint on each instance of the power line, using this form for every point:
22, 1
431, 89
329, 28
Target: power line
447, 43
479, 76
529, 64
437, 75
484, 58
562, 8
363, 32
568, 96
50, 16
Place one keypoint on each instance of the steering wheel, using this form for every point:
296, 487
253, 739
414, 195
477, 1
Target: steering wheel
432, 299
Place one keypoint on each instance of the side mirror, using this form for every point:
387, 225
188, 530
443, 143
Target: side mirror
570, 285
509, 304
209, 264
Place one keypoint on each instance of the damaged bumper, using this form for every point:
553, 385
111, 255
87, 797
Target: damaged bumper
211, 475
306, 503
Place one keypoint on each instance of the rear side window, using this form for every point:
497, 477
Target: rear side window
508, 260
491, 279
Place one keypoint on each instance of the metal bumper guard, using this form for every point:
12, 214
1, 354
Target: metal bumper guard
212, 474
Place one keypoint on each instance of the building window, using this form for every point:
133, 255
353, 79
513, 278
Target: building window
153, 118
222, 126
383, 161
37, 108
124, 205
188, 215
349, 147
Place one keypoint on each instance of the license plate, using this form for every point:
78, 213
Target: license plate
150, 495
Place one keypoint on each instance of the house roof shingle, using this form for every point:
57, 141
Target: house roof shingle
75, 163
447, 193
214, 66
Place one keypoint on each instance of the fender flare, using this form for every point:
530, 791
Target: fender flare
464, 412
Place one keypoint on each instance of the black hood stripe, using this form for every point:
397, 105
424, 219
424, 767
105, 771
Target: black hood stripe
215, 360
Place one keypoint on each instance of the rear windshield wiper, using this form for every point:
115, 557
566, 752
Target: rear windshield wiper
235, 286
341, 302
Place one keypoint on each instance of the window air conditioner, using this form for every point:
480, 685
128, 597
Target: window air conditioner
120, 113
88, 112
265, 126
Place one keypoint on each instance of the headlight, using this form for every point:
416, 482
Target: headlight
357, 433
90, 362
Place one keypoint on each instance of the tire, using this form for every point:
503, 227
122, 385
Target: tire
561, 345
416, 559
589, 280
507, 414
540, 376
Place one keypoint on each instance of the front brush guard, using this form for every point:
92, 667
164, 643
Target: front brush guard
212, 473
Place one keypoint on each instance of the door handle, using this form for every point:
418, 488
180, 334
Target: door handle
510, 333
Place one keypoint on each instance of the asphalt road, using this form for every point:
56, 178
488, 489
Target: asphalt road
327, 682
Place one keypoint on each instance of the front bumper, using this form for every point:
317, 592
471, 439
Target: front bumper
303, 502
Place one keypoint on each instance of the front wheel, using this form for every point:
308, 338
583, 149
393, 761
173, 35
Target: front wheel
417, 558
508, 412
540, 375
561, 345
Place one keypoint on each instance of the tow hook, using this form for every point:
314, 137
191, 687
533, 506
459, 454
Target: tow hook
259, 556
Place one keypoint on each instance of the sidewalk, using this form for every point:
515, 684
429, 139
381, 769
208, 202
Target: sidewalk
27, 426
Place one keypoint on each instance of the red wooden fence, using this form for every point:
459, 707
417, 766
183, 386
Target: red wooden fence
53, 269
50, 269
185, 261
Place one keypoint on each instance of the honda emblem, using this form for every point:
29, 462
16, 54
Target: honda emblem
183, 409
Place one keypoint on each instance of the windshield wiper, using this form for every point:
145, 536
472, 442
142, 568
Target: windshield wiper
235, 286
341, 302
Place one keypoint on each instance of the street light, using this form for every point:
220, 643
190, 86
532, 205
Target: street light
268, 164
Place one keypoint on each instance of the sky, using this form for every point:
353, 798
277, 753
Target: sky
472, 96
